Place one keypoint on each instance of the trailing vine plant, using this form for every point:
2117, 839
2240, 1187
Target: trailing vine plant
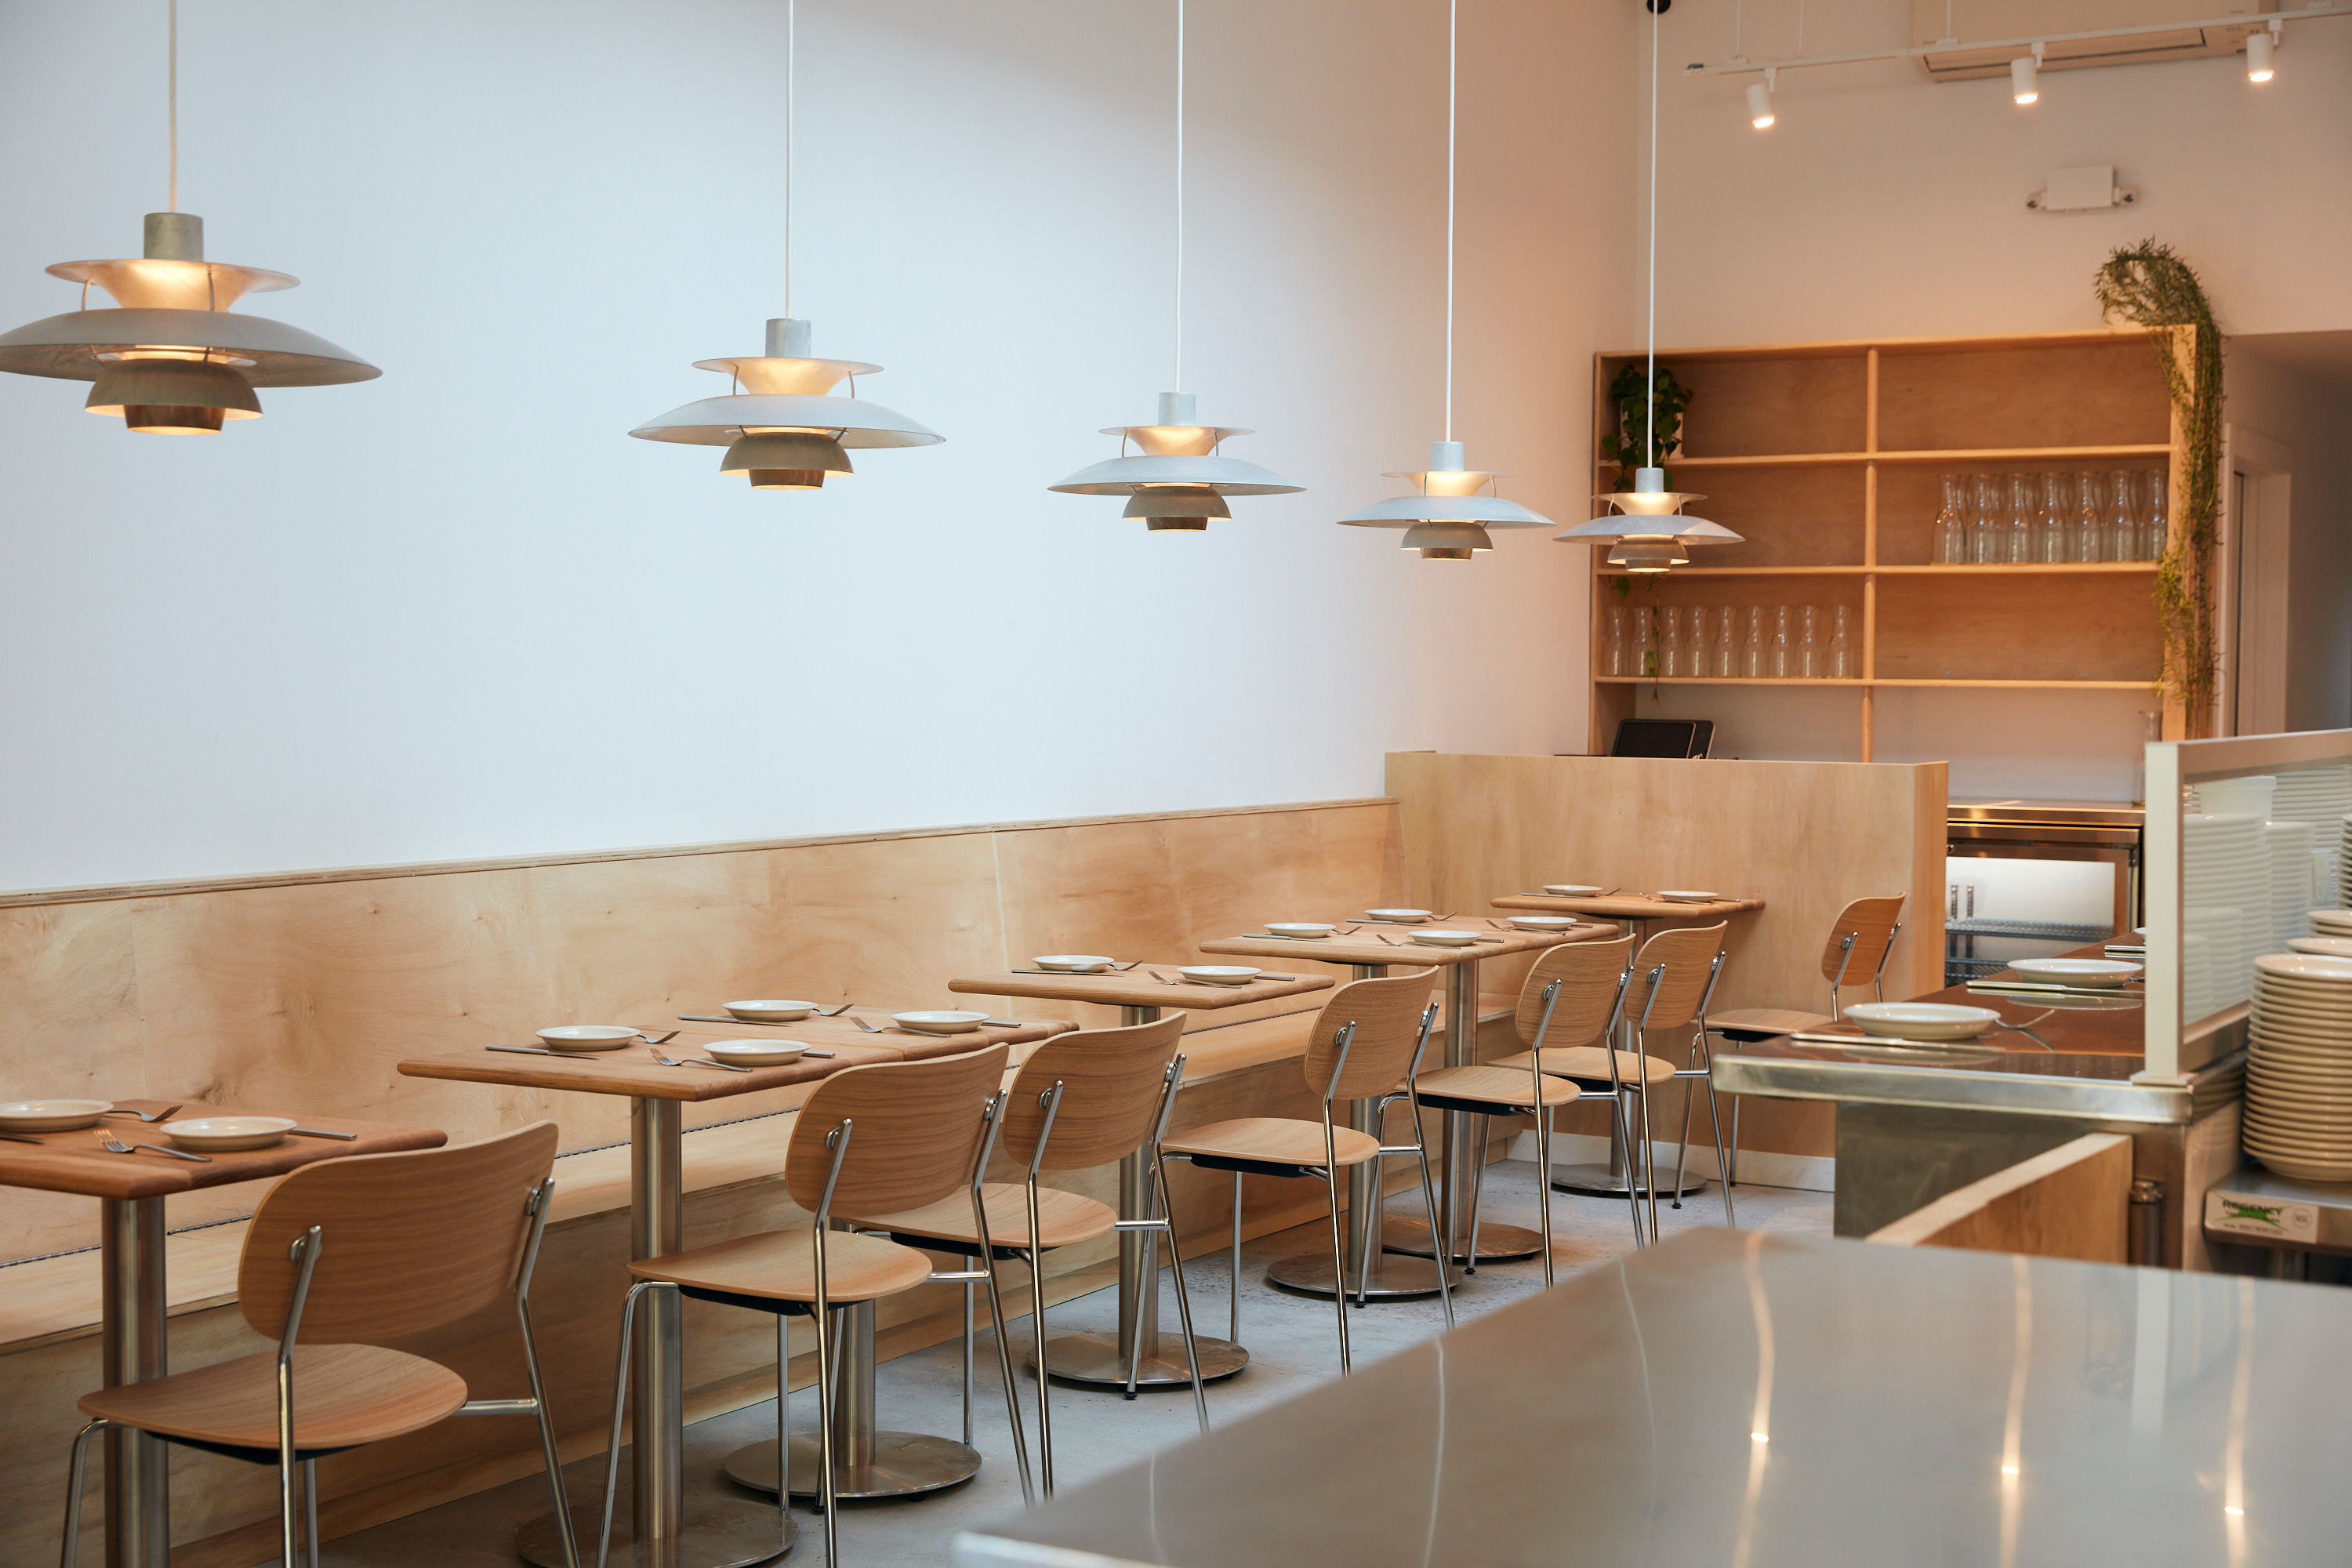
2150, 286
1630, 444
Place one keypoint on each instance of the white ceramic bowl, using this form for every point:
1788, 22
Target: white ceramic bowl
1073, 963
2095, 972
588, 1038
770, 1011
1299, 928
1541, 923
1447, 937
937, 1022
1571, 890
1687, 896
2326, 946
755, 1053
1397, 917
1221, 973
51, 1115
1922, 1020
226, 1134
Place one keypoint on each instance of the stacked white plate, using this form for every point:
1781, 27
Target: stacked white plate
2330, 922
2298, 1119
2317, 795
2235, 797
2225, 884
2288, 847
2343, 889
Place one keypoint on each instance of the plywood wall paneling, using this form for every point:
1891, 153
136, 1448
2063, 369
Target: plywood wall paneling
1990, 626
1748, 407
2072, 1202
2091, 395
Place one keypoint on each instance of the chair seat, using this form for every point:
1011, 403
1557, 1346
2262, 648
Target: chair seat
1063, 1218
344, 1396
1768, 1021
1493, 1085
778, 1266
1589, 1065
1273, 1141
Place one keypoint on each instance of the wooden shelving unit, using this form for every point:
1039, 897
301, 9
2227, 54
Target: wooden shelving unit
1826, 457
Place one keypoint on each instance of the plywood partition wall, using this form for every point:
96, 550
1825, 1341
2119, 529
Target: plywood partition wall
1806, 838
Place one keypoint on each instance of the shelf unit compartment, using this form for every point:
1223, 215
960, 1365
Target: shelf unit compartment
1785, 517
2069, 392
1910, 496
1744, 406
2055, 627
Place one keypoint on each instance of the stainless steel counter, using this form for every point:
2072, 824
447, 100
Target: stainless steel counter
1763, 1401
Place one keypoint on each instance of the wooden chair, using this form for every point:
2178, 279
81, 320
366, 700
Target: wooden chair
341, 1255
1577, 991
1368, 1039
1860, 941
871, 1141
1081, 1101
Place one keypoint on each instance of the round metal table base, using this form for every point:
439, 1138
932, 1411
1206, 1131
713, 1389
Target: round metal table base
1095, 1361
721, 1532
1601, 1182
906, 1464
1392, 1279
1497, 1243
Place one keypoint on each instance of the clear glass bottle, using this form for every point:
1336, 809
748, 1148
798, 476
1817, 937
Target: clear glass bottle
1616, 658
2090, 529
1841, 646
2156, 523
1951, 529
2053, 538
1983, 527
1670, 642
2017, 547
1809, 645
1751, 652
1646, 642
2124, 535
1783, 656
1727, 646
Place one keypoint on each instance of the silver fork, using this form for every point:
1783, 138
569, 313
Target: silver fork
114, 1145
163, 1115
864, 1026
834, 1012
699, 1062
657, 1040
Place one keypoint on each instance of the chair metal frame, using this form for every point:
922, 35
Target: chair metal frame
1837, 1001
829, 1335
297, 1479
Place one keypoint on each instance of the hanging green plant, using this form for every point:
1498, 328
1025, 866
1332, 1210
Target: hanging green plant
1629, 443
2149, 286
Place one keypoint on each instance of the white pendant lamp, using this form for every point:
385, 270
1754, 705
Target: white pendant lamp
781, 426
1178, 480
1645, 527
171, 358
1451, 510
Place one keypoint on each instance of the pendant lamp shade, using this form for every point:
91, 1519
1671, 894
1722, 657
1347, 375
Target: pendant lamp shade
1646, 528
1177, 480
786, 430
1447, 518
172, 357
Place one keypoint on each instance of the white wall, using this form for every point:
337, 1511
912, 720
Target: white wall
456, 612
1882, 205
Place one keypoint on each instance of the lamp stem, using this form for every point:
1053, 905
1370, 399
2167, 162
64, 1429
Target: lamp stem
1453, 73
792, 63
1176, 379
172, 99
1650, 390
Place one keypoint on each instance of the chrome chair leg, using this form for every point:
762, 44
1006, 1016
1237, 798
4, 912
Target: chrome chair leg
310, 1511
1477, 1190
1621, 1127
967, 1364
620, 1406
1037, 1334
1338, 1252
1543, 1187
784, 1416
1183, 1301
73, 1488
1429, 1207
1233, 1309
826, 1336
1682, 1158
1722, 1158
1011, 1385
549, 1456
1649, 1163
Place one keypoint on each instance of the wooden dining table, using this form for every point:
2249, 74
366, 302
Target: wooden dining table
657, 1525
1368, 948
134, 1302
1140, 996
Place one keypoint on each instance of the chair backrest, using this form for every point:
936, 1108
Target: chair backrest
1688, 953
407, 1241
1588, 973
1111, 1083
1387, 1016
914, 1137
1871, 922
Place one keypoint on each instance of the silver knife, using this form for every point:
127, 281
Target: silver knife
316, 1133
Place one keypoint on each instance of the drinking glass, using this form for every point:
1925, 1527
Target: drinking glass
1670, 642
1751, 653
1783, 656
2017, 548
1727, 648
1646, 642
2055, 541
2156, 524
1617, 640
2090, 532
1983, 526
2124, 535
1951, 529
1840, 647
1809, 657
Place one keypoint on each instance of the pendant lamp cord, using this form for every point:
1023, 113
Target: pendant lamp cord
1650, 437
791, 64
172, 98
1176, 379
1453, 73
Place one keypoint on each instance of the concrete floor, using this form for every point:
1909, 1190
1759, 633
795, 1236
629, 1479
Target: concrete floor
1292, 1345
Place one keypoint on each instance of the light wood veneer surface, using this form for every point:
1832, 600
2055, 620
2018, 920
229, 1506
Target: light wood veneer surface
74, 1163
1137, 988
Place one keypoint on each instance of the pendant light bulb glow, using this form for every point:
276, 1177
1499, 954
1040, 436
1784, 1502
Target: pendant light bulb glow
2260, 64
171, 358
1760, 106
1178, 479
781, 426
1453, 509
2024, 77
